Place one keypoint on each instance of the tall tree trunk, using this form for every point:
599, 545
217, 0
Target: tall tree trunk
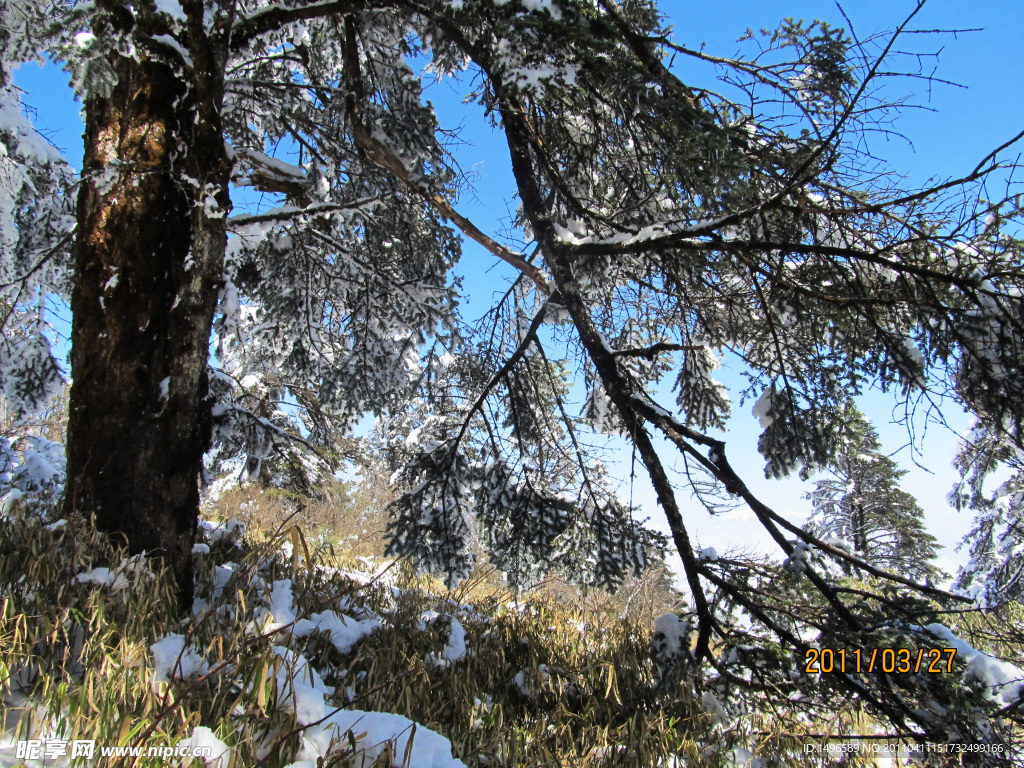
149, 259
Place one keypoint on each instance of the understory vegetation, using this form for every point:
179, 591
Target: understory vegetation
543, 680
293, 629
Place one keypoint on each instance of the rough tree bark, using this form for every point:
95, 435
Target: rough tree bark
149, 259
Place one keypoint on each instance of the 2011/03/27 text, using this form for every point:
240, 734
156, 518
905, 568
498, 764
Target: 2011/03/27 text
888, 660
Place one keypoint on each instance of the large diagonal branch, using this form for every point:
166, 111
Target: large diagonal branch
560, 257
631, 407
381, 155
518, 137
617, 388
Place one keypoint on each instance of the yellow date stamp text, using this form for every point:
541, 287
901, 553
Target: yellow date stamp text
888, 660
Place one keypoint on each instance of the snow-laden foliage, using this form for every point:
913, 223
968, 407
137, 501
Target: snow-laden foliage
255, 437
994, 574
327, 300
31, 470
522, 486
36, 225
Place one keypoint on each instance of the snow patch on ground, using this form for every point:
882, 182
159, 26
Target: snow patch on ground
455, 648
171, 659
219, 753
216, 531
343, 630
303, 691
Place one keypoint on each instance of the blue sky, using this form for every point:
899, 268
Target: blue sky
946, 136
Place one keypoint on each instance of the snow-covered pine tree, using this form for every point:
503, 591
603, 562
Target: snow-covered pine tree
672, 226
860, 506
334, 292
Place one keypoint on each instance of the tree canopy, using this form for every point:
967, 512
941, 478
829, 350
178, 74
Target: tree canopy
671, 226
